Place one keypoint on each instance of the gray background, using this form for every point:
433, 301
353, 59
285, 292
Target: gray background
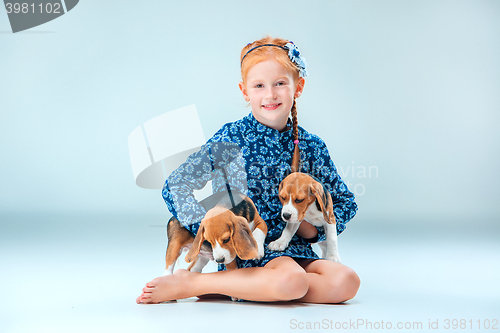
409, 88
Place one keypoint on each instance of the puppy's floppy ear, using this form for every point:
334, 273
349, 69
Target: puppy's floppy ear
288, 173
244, 243
196, 247
324, 201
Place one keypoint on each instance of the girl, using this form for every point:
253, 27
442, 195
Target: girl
273, 74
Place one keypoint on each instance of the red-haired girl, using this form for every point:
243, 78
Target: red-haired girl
273, 72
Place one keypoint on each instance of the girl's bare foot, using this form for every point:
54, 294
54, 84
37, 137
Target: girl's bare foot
167, 288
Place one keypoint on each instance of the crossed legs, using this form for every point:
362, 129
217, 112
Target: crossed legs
281, 279
329, 282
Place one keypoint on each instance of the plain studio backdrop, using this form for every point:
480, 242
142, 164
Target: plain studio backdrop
406, 95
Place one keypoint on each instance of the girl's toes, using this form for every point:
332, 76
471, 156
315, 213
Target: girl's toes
145, 299
152, 283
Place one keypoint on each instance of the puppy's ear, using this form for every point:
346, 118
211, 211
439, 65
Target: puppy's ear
244, 243
324, 201
196, 247
285, 176
287, 172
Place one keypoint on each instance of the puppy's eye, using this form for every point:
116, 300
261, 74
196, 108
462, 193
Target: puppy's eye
283, 198
225, 240
299, 200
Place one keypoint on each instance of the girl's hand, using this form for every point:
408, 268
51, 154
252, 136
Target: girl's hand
307, 230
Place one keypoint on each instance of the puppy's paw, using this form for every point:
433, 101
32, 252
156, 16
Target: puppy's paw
333, 258
261, 251
278, 245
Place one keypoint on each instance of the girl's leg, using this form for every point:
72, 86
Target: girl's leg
281, 279
329, 282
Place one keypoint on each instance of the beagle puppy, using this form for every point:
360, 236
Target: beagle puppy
233, 228
304, 198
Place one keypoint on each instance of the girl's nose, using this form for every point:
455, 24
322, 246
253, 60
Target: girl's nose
271, 94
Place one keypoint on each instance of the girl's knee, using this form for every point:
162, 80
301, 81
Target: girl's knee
347, 282
291, 285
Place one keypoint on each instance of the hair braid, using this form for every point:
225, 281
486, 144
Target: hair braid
296, 151
293, 111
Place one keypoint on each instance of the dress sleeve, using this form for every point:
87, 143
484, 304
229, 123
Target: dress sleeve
322, 167
179, 186
218, 160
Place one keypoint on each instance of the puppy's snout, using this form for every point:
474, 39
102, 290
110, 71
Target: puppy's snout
287, 216
220, 260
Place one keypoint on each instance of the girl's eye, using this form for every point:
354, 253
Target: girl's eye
299, 200
225, 240
280, 83
259, 85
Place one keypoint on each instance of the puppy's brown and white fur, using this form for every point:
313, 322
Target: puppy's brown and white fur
305, 199
224, 234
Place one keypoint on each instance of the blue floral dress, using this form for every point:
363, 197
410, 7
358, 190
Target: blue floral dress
257, 161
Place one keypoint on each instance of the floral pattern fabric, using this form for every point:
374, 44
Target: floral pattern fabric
254, 161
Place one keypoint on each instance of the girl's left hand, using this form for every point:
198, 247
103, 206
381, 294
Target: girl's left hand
307, 230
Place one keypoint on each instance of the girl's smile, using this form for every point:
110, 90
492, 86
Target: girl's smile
271, 88
271, 106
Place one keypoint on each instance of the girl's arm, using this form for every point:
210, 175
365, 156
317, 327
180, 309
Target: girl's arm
308, 232
179, 186
219, 161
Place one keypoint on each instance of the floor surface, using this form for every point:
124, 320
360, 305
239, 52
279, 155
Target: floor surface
83, 273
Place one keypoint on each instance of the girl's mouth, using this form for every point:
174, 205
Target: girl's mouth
271, 106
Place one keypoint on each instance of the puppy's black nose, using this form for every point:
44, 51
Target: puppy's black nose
287, 216
220, 260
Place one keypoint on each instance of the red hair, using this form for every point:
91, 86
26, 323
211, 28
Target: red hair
266, 53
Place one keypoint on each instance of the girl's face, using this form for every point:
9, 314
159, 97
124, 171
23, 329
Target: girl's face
270, 88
